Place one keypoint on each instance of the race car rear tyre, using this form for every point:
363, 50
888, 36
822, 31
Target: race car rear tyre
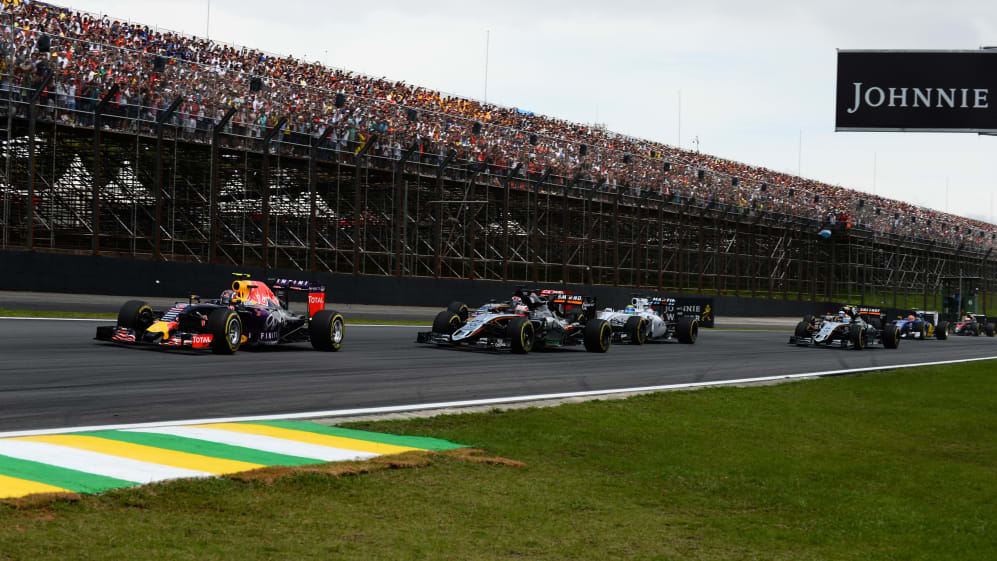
687, 331
225, 328
891, 336
521, 336
447, 322
636, 329
327, 329
942, 330
136, 314
460, 309
803, 329
876, 323
990, 329
856, 334
598, 336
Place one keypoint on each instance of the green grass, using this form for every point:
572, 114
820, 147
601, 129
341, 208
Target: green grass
4, 312
99, 315
896, 465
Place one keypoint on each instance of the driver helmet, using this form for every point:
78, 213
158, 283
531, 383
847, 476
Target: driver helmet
911, 317
228, 297
629, 309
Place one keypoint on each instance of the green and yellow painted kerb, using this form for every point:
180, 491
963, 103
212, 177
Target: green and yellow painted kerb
91, 462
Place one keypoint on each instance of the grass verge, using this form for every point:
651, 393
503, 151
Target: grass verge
894, 465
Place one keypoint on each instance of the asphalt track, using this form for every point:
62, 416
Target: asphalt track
54, 375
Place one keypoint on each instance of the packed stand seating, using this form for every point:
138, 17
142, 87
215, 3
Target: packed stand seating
87, 54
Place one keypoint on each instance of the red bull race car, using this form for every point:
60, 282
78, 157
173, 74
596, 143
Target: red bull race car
249, 314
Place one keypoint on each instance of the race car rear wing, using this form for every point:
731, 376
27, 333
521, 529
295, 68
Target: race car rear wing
315, 290
567, 303
870, 312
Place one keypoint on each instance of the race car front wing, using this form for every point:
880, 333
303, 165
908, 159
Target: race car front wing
128, 336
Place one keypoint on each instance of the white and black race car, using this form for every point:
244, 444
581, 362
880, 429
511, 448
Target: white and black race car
851, 328
651, 319
531, 320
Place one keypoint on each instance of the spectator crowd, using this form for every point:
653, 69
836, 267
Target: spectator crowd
86, 55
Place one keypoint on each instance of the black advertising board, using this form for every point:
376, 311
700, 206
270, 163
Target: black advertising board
699, 307
918, 91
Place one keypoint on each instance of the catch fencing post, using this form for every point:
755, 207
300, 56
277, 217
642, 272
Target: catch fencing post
98, 114
215, 133
313, 194
536, 224
447, 160
32, 118
267, 138
400, 203
161, 121
505, 219
356, 201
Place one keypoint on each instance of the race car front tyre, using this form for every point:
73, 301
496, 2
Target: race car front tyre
447, 322
891, 336
460, 309
942, 330
636, 329
687, 331
521, 336
225, 328
327, 329
803, 329
598, 336
856, 334
990, 329
136, 314
922, 332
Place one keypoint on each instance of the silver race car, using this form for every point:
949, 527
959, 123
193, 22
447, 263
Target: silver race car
531, 320
651, 319
851, 328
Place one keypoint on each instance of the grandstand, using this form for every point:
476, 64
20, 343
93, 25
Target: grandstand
130, 140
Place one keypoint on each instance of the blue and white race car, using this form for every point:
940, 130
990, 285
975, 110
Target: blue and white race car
921, 325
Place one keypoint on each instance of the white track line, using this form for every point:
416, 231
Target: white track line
479, 402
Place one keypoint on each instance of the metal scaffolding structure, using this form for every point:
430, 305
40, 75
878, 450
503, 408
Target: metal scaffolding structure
346, 209
365, 185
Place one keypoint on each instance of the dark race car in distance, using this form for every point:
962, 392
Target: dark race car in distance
249, 314
974, 325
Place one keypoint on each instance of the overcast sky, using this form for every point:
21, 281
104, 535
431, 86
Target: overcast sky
752, 75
